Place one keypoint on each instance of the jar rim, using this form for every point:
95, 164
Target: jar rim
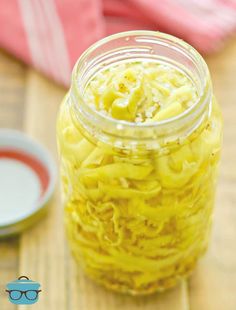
150, 36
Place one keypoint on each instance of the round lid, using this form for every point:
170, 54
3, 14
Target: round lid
22, 279
21, 282
27, 180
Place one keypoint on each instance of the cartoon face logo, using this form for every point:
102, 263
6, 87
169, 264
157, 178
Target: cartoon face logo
23, 291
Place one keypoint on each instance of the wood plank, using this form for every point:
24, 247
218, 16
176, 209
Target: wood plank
213, 285
12, 83
42, 250
12, 91
8, 269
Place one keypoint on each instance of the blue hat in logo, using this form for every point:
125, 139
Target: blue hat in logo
23, 291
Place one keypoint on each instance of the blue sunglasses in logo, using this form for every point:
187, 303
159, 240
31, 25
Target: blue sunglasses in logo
30, 294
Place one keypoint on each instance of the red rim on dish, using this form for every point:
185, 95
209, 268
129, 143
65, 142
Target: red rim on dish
27, 180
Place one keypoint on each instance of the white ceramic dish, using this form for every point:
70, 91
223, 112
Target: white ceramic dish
27, 181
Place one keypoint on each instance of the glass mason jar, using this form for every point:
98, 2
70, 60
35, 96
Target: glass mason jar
139, 197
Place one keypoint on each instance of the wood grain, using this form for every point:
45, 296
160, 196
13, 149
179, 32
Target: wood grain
213, 285
42, 251
12, 89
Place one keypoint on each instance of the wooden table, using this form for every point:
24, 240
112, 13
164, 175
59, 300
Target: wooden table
29, 101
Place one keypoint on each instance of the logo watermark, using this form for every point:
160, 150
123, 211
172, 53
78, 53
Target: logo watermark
23, 291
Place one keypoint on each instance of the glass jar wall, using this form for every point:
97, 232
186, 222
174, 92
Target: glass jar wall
139, 196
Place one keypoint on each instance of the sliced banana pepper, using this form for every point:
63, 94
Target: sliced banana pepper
138, 94
137, 224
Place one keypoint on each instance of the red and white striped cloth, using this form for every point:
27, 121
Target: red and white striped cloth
51, 34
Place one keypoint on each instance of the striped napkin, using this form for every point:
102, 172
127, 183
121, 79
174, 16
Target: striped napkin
51, 34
